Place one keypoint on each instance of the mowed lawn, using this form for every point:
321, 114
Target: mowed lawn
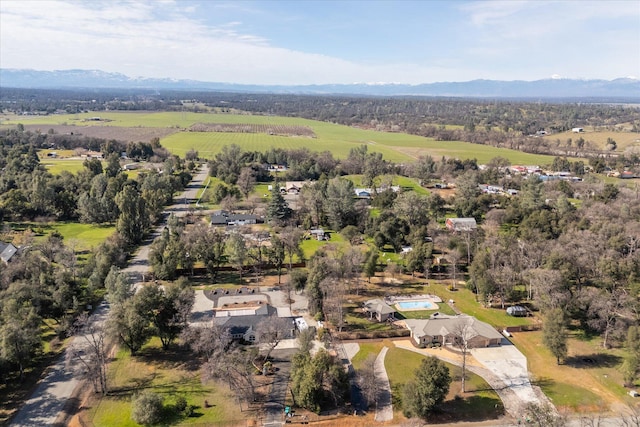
80, 237
479, 402
338, 139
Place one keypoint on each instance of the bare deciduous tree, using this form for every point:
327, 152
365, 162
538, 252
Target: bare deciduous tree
366, 381
88, 355
273, 330
462, 334
605, 312
334, 291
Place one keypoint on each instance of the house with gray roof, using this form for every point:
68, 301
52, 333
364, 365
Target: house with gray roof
378, 309
242, 323
7, 251
461, 224
441, 330
224, 218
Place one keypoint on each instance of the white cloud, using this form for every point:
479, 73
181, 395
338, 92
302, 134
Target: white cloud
507, 40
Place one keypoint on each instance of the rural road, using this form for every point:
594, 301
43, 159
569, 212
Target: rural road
139, 265
55, 392
49, 401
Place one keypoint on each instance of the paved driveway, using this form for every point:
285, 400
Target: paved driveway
504, 368
509, 365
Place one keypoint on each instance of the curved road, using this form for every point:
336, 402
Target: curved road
56, 392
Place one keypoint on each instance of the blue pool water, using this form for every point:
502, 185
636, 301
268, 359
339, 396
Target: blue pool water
416, 305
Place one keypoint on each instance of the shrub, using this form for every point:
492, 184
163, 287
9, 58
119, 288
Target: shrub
188, 411
181, 404
147, 408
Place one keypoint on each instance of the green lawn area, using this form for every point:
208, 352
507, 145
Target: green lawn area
81, 237
55, 167
366, 350
465, 301
311, 246
86, 236
169, 374
405, 182
576, 384
338, 139
478, 403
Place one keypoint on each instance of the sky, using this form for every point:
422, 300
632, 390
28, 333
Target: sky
320, 42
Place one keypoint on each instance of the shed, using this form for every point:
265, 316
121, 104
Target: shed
517, 311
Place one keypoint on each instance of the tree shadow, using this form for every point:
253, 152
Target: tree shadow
174, 357
543, 382
594, 360
471, 408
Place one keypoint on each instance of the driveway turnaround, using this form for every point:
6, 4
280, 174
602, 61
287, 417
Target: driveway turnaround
504, 368
508, 364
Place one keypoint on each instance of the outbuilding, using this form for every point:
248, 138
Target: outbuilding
517, 311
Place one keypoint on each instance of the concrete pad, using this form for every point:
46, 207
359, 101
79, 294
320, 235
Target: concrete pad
202, 311
284, 312
510, 365
351, 349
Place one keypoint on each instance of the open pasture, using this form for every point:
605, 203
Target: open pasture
338, 139
55, 166
623, 140
253, 128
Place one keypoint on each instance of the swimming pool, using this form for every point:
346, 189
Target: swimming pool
416, 305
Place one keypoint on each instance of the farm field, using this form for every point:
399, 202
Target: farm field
171, 128
623, 140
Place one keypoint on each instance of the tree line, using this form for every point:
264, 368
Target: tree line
46, 280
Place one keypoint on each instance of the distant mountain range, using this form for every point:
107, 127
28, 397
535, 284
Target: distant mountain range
623, 88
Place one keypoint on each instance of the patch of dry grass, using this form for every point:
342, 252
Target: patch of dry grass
587, 381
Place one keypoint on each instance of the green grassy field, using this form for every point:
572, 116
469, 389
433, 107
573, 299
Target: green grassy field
623, 140
478, 403
82, 237
338, 139
169, 375
55, 167
465, 301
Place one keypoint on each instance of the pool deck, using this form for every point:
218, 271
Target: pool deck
432, 306
431, 299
